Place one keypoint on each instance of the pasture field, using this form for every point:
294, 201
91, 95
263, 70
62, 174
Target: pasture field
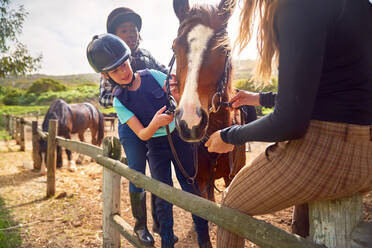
22, 110
73, 218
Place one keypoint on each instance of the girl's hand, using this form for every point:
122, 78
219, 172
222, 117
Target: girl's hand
216, 144
244, 97
160, 119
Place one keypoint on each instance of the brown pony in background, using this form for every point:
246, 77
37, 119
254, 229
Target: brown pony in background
73, 118
203, 57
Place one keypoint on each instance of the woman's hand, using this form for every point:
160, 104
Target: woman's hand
244, 97
216, 144
161, 119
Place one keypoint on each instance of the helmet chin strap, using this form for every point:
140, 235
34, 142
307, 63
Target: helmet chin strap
131, 81
123, 85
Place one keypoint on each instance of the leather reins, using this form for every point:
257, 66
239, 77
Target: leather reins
171, 109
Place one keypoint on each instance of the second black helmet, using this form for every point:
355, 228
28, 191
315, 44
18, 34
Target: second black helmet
106, 52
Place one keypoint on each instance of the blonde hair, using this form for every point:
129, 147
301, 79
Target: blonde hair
267, 44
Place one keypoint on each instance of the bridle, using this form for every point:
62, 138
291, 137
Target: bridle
171, 109
217, 102
214, 107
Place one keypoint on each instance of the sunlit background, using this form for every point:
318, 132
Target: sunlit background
61, 30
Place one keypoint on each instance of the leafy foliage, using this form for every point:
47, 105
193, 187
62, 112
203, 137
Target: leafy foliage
13, 97
15, 61
44, 91
44, 85
83, 93
250, 85
79, 94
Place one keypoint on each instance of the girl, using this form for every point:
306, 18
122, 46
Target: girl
127, 24
141, 102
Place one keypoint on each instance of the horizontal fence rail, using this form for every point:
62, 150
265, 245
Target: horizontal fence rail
259, 232
80, 147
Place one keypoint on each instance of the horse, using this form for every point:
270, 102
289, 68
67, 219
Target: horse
73, 118
203, 56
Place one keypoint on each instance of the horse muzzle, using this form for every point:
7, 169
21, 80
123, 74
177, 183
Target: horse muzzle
191, 128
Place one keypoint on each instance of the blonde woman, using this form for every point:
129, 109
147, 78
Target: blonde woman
322, 121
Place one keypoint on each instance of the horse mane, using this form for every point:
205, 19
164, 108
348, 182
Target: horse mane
208, 15
55, 113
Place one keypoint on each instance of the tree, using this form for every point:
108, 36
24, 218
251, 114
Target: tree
14, 56
44, 85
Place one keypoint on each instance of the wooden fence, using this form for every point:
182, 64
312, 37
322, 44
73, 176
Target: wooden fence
332, 222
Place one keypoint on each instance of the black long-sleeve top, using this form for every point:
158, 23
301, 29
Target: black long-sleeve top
325, 69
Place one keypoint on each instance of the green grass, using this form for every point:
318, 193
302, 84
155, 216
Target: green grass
107, 110
8, 238
4, 135
18, 111
21, 110
266, 111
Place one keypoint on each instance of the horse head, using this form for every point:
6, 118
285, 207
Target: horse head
202, 52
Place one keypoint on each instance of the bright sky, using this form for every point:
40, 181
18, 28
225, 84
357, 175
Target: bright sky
61, 30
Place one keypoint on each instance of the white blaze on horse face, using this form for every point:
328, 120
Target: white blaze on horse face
197, 39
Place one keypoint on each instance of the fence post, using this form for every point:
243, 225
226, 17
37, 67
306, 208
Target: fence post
332, 222
111, 194
22, 135
14, 127
6, 122
10, 125
51, 158
18, 131
36, 147
14, 132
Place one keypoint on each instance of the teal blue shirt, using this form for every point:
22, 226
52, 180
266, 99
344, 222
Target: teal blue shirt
125, 114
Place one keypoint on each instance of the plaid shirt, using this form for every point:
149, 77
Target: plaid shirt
142, 59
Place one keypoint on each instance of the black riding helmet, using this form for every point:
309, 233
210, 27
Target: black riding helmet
121, 15
106, 52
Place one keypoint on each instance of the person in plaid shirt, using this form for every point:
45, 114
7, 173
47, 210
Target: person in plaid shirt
126, 24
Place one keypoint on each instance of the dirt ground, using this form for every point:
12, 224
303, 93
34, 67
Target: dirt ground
74, 217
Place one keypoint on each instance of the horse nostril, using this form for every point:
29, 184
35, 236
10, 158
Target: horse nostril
179, 112
183, 125
199, 112
204, 117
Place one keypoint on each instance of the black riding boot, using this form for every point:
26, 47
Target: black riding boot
138, 203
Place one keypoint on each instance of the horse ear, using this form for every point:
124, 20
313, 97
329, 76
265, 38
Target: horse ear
181, 7
226, 8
